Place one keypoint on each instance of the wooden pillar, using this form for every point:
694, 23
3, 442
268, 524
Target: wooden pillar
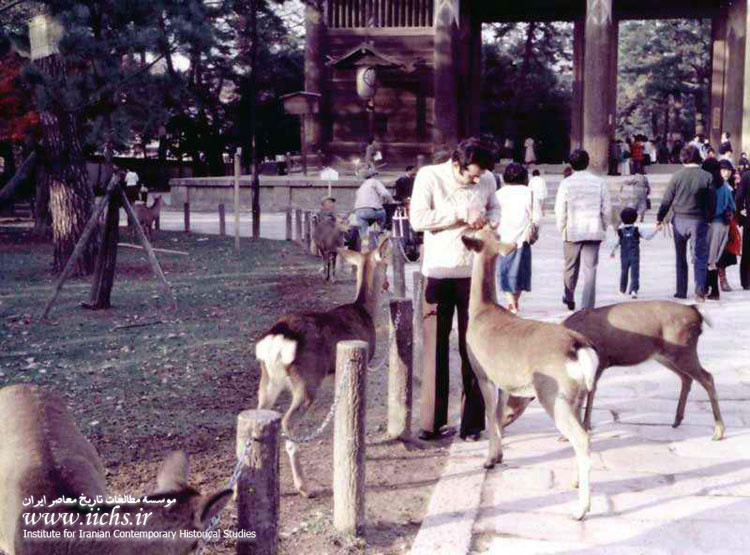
718, 76
400, 369
445, 129
312, 126
349, 437
597, 114
576, 116
734, 90
612, 99
475, 78
258, 483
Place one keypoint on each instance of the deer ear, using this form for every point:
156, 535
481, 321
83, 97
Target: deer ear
383, 249
212, 505
473, 244
352, 257
173, 474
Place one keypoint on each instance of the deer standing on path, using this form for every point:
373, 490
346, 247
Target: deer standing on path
44, 455
300, 348
328, 236
147, 215
626, 334
526, 358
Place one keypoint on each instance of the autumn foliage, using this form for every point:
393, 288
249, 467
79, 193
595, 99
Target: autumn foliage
18, 119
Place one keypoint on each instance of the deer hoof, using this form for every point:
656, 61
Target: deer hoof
677, 422
718, 433
489, 463
580, 513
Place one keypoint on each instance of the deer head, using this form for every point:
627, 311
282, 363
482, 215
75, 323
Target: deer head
371, 271
488, 242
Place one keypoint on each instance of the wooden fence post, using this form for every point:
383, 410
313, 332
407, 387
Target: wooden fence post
186, 209
400, 369
313, 223
417, 293
258, 483
222, 221
349, 437
237, 173
288, 223
308, 230
298, 225
397, 261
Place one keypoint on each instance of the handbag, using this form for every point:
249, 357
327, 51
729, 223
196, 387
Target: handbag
734, 243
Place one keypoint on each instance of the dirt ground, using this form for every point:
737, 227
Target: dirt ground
142, 381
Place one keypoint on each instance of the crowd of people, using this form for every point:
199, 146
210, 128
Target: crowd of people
705, 203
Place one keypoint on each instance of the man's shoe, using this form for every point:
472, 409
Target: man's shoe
473, 436
444, 432
678, 296
634, 294
570, 304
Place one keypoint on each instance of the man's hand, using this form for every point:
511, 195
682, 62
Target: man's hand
476, 219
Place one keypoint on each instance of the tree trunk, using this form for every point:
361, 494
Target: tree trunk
71, 197
106, 259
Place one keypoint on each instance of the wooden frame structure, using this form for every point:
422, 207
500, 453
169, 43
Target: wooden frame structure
433, 100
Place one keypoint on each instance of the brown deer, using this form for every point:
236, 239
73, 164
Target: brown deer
147, 215
526, 358
45, 457
328, 236
300, 348
626, 334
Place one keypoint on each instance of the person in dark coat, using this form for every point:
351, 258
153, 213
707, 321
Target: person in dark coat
742, 201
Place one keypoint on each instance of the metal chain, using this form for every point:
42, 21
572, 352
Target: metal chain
216, 520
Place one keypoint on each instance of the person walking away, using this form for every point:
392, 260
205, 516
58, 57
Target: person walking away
529, 154
624, 166
582, 211
520, 217
725, 147
629, 243
718, 232
690, 196
538, 186
368, 204
634, 193
131, 185
448, 200
637, 155
742, 201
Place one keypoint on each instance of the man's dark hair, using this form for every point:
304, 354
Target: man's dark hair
409, 168
535, 173
516, 174
728, 134
726, 165
579, 159
474, 151
628, 215
370, 140
690, 155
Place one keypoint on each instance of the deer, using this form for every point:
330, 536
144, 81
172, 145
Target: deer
299, 350
328, 236
627, 334
147, 215
526, 358
46, 457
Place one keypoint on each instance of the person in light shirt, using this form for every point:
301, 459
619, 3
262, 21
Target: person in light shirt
519, 211
538, 187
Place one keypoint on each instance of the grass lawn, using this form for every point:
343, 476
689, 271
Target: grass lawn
177, 379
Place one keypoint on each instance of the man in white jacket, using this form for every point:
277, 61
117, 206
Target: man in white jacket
448, 199
582, 211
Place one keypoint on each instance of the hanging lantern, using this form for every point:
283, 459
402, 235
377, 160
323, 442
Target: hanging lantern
44, 36
366, 82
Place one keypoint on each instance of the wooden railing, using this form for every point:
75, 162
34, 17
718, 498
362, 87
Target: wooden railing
379, 13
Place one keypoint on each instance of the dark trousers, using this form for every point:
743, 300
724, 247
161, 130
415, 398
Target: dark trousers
441, 298
745, 258
696, 232
630, 261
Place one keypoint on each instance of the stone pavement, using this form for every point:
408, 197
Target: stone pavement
655, 489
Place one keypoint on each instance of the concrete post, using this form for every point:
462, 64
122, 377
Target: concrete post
400, 370
597, 111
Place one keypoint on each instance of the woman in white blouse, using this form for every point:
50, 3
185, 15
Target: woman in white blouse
520, 216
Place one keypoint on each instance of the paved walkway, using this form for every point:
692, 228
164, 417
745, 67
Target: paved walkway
655, 489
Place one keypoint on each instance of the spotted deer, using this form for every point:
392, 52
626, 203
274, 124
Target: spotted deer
300, 348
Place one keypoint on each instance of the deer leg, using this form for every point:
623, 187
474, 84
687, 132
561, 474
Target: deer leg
269, 389
687, 382
490, 393
301, 401
703, 377
333, 266
562, 409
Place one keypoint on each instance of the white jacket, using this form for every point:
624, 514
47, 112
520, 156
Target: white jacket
439, 207
583, 208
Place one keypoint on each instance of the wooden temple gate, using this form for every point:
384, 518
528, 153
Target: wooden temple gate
427, 58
